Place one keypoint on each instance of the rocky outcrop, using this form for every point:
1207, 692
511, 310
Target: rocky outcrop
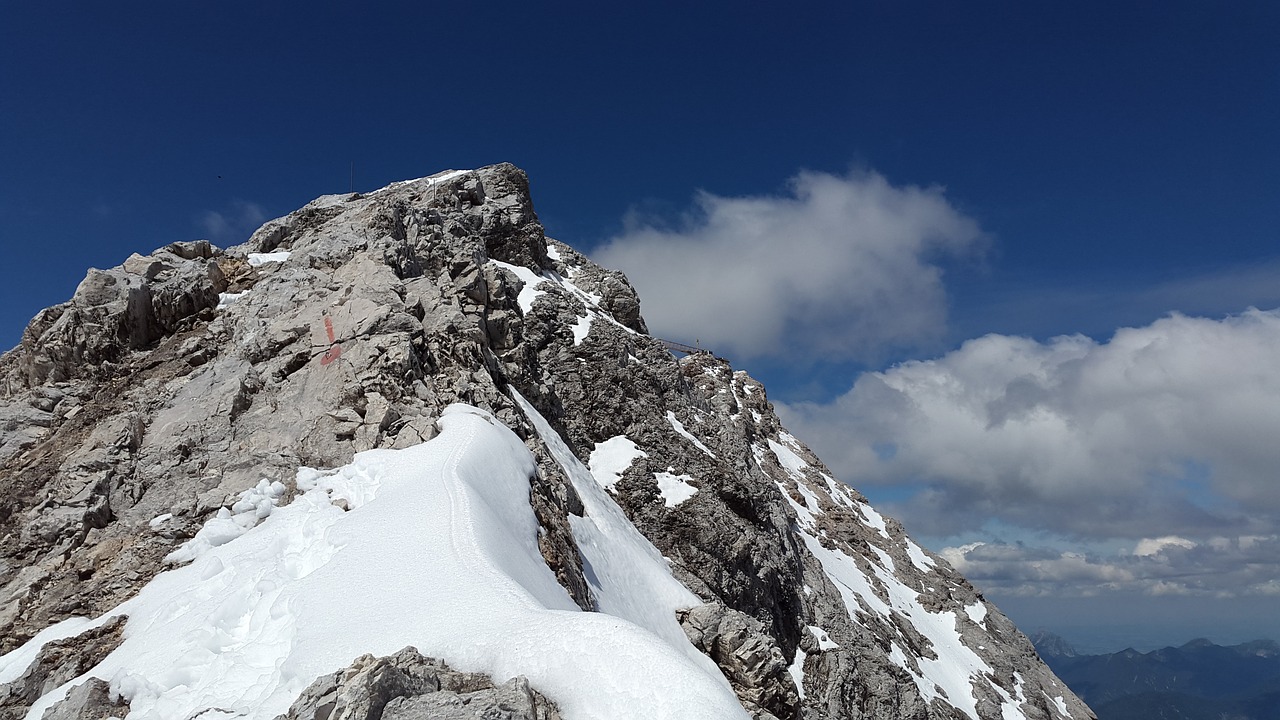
126, 308
195, 380
90, 700
749, 658
119, 411
408, 686
58, 662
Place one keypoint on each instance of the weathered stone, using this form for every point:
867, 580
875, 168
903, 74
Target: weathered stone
90, 700
147, 267
747, 655
408, 686
512, 700
415, 431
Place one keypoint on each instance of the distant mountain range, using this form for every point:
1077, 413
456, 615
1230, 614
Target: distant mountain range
1198, 681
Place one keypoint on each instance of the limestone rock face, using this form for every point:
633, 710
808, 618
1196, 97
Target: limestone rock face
748, 656
90, 700
171, 384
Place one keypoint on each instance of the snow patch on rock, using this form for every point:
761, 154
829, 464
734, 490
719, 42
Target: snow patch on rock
977, 612
225, 299
611, 458
788, 459
675, 489
873, 519
950, 673
253, 506
581, 329
260, 259
679, 428
923, 562
529, 280
630, 578
796, 671
824, 641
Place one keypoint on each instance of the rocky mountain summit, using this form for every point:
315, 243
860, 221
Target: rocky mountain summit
190, 431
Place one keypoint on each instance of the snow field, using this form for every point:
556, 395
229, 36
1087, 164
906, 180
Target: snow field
439, 551
630, 579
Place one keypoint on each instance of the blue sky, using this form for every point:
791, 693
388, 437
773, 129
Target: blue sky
1009, 171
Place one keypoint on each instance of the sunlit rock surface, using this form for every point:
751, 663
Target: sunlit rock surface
183, 444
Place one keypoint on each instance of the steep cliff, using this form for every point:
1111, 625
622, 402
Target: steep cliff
187, 404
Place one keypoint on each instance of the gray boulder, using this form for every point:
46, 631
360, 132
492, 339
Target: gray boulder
408, 686
90, 700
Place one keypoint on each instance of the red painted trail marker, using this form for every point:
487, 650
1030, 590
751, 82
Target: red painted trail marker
335, 350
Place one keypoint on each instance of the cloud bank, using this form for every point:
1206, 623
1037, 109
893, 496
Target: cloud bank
1152, 455
1168, 429
840, 268
1219, 567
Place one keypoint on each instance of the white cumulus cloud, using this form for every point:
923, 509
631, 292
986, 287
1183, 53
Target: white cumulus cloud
1148, 547
1167, 429
234, 224
840, 267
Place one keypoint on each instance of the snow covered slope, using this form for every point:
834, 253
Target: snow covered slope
250, 623
407, 419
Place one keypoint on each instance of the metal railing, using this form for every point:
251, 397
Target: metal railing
681, 347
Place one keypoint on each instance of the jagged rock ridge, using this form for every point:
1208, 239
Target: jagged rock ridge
195, 382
